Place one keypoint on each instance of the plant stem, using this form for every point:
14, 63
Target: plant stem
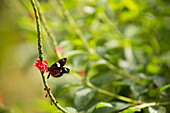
104, 18
51, 36
74, 25
118, 96
127, 75
76, 75
80, 34
48, 31
102, 91
41, 57
144, 105
51, 95
90, 50
38, 31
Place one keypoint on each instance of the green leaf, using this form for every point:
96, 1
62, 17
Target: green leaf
95, 64
103, 79
156, 109
65, 88
131, 31
128, 82
75, 52
165, 57
98, 62
90, 110
159, 81
153, 69
130, 110
163, 88
104, 107
120, 105
105, 110
103, 104
138, 90
76, 42
79, 62
92, 57
101, 51
129, 9
110, 44
71, 4
83, 96
71, 110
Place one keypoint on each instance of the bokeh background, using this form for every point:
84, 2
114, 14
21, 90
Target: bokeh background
133, 35
21, 86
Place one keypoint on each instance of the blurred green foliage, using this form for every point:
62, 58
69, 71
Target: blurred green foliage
131, 35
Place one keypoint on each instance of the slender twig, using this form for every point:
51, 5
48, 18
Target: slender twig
144, 105
47, 29
74, 25
41, 58
80, 34
51, 95
105, 18
102, 91
154, 43
90, 50
124, 74
77, 76
52, 37
38, 31
140, 105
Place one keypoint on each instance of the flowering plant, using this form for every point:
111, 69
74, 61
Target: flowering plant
41, 66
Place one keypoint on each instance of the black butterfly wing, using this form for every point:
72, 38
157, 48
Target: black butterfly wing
63, 70
54, 69
61, 62
57, 66
57, 69
58, 75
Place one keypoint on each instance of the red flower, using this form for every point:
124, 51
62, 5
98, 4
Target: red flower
41, 67
82, 73
59, 49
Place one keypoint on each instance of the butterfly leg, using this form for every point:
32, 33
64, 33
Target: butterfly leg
48, 76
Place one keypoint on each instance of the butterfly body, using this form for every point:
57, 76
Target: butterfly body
57, 69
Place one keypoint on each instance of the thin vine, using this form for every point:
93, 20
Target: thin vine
41, 57
139, 104
90, 50
102, 91
111, 66
47, 29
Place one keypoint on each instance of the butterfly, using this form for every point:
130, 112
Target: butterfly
57, 69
